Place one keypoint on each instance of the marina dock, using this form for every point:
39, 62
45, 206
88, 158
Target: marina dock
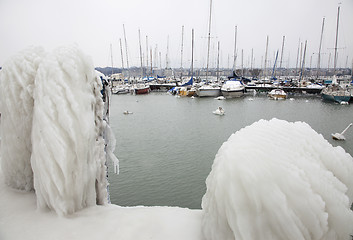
260, 88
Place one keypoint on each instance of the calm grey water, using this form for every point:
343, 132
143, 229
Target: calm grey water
167, 146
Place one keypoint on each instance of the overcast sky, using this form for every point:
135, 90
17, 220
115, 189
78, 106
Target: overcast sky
95, 25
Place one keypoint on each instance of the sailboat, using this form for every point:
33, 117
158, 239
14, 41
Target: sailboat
141, 87
208, 90
192, 91
187, 89
276, 93
334, 92
233, 87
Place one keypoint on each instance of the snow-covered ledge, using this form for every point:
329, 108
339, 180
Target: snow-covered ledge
20, 219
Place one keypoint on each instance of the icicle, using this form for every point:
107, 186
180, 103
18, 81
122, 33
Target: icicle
110, 148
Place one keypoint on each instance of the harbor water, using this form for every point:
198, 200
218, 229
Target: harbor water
167, 145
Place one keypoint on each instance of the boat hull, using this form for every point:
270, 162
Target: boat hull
333, 98
208, 92
191, 93
233, 94
232, 89
277, 94
142, 90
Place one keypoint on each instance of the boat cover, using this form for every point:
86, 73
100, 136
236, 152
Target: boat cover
188, 83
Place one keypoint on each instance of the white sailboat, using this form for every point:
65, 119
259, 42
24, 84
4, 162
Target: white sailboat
335, 93
232, 88
277, 94
208, 90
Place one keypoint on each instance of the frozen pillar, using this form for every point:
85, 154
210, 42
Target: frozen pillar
64, 132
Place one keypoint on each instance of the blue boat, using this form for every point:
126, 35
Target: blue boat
335, 93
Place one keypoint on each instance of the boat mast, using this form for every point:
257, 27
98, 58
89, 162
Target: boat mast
265, 70
352, 70
146, 55
209, 41
127, 58
166, 57
111, 56
335, 57
181, 54
280, 63
218, 63
303, 63
252, 58
296, 63
141, 54
151, 61
235, 49
192, 54
242, 62
319, 56
156, 56
274, 66
228, 61
301, 56
160, 60
122, 55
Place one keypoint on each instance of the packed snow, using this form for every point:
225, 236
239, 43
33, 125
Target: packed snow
270, 180
279, 180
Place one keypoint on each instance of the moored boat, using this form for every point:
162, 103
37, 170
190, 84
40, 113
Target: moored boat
208, 90
120, 89
336, 93
141, 89
232, 88
191, 92
277, 94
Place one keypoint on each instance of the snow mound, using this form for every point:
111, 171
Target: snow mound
16, 93
284, 182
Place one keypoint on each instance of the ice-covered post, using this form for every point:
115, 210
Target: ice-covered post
64, 132
55, 138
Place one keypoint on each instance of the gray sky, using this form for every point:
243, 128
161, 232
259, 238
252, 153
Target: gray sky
94, 25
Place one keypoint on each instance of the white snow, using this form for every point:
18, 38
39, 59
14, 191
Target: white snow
20, 220
270, 180
279, 180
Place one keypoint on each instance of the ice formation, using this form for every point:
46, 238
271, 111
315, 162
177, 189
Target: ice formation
285, 182
16, 86
63, 129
